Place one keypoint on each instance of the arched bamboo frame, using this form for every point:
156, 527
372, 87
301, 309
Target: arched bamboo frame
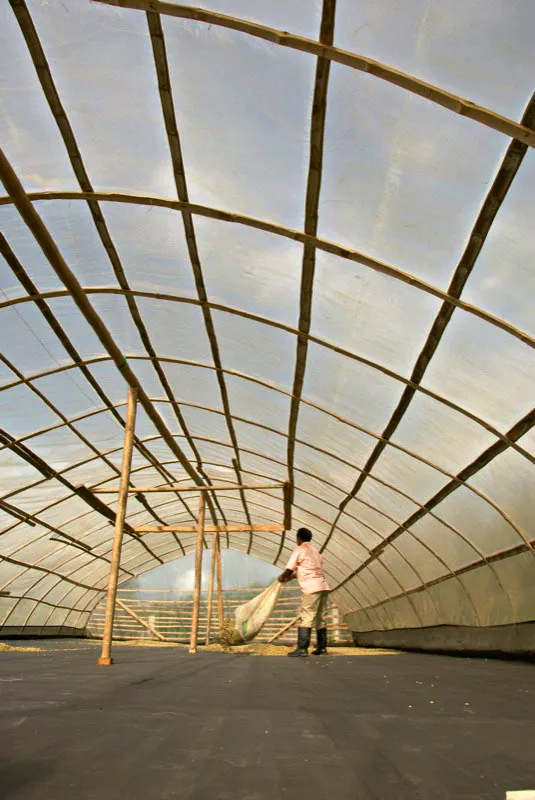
523, 136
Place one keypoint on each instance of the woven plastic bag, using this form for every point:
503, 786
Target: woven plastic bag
251, 617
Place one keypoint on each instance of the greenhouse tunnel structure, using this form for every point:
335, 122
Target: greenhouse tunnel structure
305, 231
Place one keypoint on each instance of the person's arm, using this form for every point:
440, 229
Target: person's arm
291, 567
287, 575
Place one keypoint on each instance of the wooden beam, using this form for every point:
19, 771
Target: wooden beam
493, 201
47, 244
243, 376
141, 621
219, 583
211, 588
105, 658
179, 488
51, 93
329, 247
284, 629
209, 528
495, 197
522, 427
198, 577
175, 150
356, 61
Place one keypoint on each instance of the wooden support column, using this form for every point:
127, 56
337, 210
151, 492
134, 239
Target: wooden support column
219, 583
105, 658
211, 588
198, 577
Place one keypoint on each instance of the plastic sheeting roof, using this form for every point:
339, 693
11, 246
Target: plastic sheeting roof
316, 261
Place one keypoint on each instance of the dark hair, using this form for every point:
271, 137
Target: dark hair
304, 534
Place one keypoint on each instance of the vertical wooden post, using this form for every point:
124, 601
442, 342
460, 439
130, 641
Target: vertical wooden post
198, 577
105, 658
211, 588
219, 583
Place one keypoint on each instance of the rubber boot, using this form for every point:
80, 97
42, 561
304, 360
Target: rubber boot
321, 649
303, 642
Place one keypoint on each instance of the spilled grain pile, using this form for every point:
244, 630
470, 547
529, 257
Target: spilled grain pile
7, 648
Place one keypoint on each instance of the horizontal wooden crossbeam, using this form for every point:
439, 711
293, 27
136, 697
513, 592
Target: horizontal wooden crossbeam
225, 487
209, 528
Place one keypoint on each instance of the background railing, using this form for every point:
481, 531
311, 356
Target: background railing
165, 614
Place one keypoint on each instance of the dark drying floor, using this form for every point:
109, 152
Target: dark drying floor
163, 724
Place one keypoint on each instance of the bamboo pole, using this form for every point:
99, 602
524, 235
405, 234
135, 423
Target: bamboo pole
209, 528
284, 629
211, 588
141, 621
105, 658
198, 576
211, 488
435, 94
47, 244
219, 582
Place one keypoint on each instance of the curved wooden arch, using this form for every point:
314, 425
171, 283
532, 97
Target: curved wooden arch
343, 461
353, 60
319, 244
236, 373
332, 455
423, 585
325, 53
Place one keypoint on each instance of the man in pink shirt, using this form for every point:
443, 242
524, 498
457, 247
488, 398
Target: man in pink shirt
307, 563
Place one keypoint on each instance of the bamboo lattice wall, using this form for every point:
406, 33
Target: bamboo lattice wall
168, 612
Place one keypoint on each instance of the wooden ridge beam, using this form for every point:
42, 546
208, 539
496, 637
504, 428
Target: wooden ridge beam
209, 528
458, 105
178, 488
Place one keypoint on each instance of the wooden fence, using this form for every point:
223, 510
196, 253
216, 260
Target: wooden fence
166, 615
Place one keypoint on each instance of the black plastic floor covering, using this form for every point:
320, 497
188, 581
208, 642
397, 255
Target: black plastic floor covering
163, 724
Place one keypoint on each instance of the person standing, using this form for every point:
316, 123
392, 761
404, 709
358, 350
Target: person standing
307, 564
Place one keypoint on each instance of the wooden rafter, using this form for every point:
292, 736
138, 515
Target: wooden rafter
353, 60
317, 133
173, 137
413, 500
522, 427
493, 201
320, 244
491, 559
44, 74
47, 313
223, 487
253, 379
35, 224
505, 442
210, 528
